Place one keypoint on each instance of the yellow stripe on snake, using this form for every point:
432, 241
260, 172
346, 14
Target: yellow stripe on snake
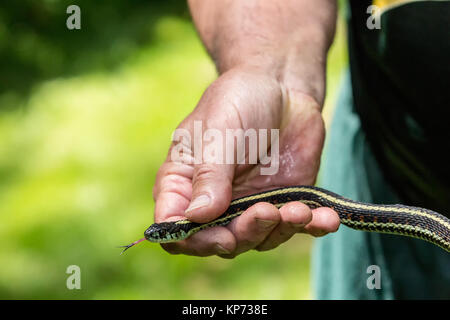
396, 219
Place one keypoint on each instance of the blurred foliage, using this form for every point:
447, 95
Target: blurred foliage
80, 148
35, 43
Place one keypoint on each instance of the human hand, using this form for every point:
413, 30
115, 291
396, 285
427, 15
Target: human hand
245, 98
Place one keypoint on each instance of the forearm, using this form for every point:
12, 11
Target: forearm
288, 39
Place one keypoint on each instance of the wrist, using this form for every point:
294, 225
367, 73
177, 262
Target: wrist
299, 66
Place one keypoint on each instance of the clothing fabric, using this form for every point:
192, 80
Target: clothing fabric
409, 268
400, 78
387, 145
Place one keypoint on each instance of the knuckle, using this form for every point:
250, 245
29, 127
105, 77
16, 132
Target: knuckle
211, 172
204, 172
171, 182
159, 181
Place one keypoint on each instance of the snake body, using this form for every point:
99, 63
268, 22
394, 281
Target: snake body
396, 219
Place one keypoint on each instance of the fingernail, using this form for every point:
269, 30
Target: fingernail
200, 201
266, 224
221, 250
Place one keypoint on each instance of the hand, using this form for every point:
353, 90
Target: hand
246, 99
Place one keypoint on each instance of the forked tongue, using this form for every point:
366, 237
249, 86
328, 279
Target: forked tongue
131, 244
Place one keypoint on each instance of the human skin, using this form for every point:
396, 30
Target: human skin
271, 59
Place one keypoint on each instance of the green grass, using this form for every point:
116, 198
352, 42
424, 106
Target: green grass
77, 164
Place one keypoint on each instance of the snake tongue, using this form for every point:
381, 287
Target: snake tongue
130, 245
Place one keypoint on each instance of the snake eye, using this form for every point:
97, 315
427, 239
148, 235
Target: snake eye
164, 232
153, 233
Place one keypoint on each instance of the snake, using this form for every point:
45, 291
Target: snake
394, 219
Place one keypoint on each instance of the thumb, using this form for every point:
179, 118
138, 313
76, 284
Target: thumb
211, 191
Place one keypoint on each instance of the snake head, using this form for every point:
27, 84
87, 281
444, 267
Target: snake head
166, 232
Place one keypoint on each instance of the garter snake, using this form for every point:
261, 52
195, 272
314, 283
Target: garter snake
396, 219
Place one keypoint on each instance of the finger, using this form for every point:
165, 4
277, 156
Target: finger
214, 241
211, 192
170, 206
171, 176
324, 220
172, 191
294, 217
253, 226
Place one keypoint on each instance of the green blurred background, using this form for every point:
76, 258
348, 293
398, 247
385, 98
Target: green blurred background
86, 118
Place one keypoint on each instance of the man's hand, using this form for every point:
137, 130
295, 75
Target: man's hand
271, 57
244, 99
